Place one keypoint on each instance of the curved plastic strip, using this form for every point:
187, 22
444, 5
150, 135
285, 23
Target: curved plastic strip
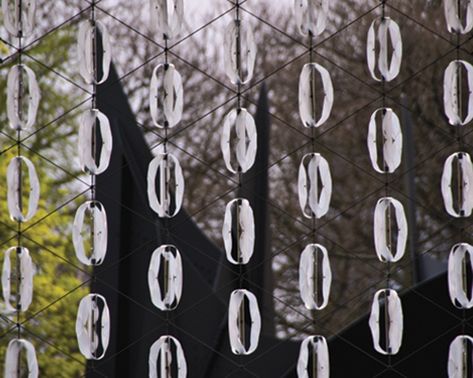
451, 92
313, 275
459, 356
454, 23
15, 26
388, 71
167, 17
307, 95
162, 350
314, 195
311, 16
167, 258
392, 141
98, 234
14, 105
87, 144
239, 52
93, 326
12, 359
14, 194
25, 291
243, 236
243, 149
86, 46
166, 93
235, 309
165, 164
382, 223
393, 321
315, 347
460, 294
465, 203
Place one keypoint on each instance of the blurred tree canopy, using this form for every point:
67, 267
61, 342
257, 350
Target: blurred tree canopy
59, 281
346, 231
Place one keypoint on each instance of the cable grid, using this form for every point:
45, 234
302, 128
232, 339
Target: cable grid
238, 145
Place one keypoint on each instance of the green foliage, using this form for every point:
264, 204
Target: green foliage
60, 281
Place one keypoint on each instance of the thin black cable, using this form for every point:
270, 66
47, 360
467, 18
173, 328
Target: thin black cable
313, 149
19, 178
389, 214
241, 318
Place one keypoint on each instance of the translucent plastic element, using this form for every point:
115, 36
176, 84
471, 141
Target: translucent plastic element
11, 18
15, 176
171, 185
460, 265
392, 141
238, 322
451, 92
238, 231
239, 52
12, 359
387, 68
24, 293
311, 16
162, 351
308, 93
314, 185
15, 108
463, 204
86, 45
393, 321
93, 326
168, 17
241, 144
87, 142
460, 357
98, 234
315, 347
165, 261
385, 227
315, 279
166, 96
454, 23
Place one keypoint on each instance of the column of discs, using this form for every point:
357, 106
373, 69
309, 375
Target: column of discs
384, 140
89, 231
316, 96
457, 179
166, 190
23, 97
238, 145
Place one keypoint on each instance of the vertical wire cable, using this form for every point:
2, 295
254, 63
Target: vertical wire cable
313, 216
388, 215
241, 323
389, 211
94, 148
165, 220
313, 146
19, 231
